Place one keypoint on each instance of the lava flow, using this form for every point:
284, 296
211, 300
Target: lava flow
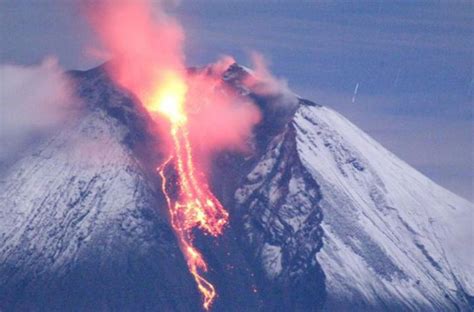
192, 113
195, 205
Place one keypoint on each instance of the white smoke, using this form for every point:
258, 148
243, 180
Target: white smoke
34, 100
262, 82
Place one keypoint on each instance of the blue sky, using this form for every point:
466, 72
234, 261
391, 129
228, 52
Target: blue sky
412, 62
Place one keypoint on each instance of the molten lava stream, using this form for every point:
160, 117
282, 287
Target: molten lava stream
195, 205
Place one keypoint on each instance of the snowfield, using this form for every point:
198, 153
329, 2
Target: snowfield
390, 233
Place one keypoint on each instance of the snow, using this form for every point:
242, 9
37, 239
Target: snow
271, 260
72, 173
390, 232
79, 219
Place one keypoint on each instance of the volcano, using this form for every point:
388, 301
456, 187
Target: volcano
321, 218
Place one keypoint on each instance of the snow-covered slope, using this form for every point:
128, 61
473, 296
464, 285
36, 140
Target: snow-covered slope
393, 238
79, 224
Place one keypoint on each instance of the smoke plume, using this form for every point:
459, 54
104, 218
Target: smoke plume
263, 83
144, 42
34, 100
147, 45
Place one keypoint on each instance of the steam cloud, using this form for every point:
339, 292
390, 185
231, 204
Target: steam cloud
33, 101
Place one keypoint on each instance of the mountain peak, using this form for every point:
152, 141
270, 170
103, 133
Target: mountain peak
322, 217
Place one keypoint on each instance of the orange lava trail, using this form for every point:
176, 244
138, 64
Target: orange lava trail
195, 205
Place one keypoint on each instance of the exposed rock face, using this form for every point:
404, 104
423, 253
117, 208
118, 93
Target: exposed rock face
281, 222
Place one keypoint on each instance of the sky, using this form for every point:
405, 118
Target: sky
400, 70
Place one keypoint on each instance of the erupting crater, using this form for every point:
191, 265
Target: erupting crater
194, 205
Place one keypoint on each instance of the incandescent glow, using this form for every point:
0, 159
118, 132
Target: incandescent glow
194, 205
169, 99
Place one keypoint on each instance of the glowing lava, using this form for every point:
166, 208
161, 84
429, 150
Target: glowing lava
194, 205
148, 60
